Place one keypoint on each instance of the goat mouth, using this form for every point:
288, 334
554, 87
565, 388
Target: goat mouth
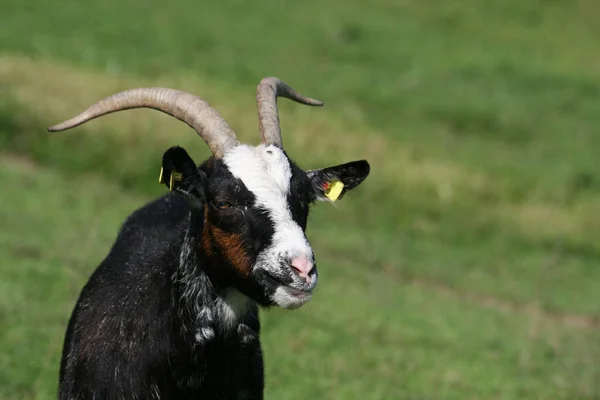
301, 294
291, 290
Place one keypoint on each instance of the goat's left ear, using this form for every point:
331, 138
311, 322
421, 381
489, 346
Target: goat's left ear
332, 183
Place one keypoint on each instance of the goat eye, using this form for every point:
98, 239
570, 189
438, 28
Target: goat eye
223, 205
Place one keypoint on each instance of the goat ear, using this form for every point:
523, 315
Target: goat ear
180, 174
176, 166
332, 183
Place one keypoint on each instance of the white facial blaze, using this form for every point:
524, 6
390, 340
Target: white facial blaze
266, 172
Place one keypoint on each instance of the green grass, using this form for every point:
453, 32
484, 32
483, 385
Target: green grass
465, 267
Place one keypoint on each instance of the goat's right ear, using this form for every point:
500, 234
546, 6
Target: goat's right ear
332, 183
180, 174
176, 166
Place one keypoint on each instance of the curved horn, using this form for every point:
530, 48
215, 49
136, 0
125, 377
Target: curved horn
192, 110
268, 116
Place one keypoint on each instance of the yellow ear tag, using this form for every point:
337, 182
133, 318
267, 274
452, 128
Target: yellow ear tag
333, 190
175, 177
160, 177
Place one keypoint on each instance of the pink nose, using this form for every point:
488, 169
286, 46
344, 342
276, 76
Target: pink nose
303, 266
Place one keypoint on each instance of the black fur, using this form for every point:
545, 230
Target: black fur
148, 324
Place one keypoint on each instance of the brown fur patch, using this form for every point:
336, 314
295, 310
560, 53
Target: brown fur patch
232, 246
207, 246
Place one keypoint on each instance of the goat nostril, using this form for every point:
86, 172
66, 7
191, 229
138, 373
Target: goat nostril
303, 266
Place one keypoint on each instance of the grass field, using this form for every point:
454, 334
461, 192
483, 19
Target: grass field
465, 267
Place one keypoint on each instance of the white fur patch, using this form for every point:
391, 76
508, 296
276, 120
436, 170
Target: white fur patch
284, 297
266, 172
205, 334
233, 308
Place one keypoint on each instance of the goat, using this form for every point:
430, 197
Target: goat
172, 312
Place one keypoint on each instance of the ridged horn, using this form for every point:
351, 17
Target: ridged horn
192, 110
267, 92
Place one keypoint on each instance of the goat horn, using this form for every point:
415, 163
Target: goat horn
268, 116
192, 110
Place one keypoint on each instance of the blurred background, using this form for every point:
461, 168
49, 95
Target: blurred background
467, 266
